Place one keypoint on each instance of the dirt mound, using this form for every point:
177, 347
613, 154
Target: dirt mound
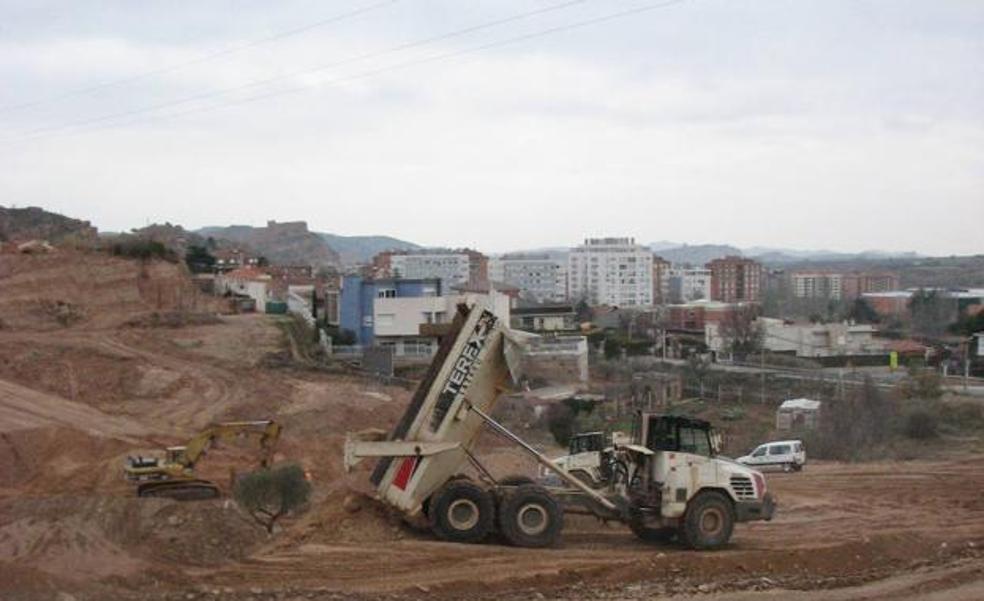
89, 538
71, 288
346, 516
58, 459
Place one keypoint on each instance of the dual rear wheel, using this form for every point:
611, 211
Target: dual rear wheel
527, 515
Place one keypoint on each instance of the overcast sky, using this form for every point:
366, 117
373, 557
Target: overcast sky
843, 125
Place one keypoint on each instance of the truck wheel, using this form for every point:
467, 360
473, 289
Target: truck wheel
530, 517
461, 512
709, 521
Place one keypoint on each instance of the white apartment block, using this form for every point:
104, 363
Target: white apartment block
688, 284
611, 271
451, 268
538, 275
817, 285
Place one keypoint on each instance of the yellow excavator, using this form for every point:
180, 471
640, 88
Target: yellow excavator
173, 476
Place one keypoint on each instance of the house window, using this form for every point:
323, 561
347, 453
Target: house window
386, 293
385, 319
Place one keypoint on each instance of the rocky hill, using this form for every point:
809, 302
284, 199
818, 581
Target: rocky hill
361, 249
697, 254
35, 223
289, 243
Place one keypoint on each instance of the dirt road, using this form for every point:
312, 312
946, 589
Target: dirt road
68, 524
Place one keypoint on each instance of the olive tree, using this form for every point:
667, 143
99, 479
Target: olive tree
270, 494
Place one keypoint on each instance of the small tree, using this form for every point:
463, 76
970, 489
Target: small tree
861, 312
931, 313
270, 494
741, 333
199, 260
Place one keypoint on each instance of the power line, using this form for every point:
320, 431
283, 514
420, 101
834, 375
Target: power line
201, 59
374, 72
287, 76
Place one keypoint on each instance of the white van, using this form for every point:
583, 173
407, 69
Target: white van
787, 455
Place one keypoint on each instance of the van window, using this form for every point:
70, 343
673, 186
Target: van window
779, 449
759, 452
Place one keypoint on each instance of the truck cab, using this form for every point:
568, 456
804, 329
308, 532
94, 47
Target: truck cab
680, 487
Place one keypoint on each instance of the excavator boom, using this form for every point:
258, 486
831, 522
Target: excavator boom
173, 476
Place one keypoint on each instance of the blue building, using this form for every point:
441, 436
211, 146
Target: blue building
358, 297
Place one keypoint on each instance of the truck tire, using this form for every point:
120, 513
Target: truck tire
529, 516
709, 521
461, 512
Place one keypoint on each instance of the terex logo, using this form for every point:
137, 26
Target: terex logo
463, 370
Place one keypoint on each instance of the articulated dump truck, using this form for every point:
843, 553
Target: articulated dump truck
666, 483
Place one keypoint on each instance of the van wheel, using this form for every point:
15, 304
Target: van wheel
529, 516
709, 521
461, 512
787, 467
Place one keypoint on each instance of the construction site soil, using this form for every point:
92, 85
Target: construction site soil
76, 400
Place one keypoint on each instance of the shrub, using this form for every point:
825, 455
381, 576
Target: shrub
136, 248
921, 425
270, 494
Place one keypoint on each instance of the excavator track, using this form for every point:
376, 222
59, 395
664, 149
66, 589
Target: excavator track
179, 490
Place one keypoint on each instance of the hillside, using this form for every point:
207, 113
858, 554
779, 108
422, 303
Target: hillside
36, 223
70, 288
698, 254
361, 249
929, 272
288, 243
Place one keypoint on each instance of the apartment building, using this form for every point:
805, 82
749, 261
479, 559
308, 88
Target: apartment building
452, 267
735, 279
538, 275
686, 284
661, 280
817, 284
611, 271
838, 285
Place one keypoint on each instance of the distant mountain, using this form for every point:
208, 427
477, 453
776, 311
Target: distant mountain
289, 243
361, 249
785, 255
21, 225
697, 254
664, 245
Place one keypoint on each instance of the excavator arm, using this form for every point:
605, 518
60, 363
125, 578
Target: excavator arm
266, 431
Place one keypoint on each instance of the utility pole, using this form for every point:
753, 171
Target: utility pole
762, 368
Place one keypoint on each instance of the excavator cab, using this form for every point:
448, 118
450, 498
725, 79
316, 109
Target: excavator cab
177, 455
